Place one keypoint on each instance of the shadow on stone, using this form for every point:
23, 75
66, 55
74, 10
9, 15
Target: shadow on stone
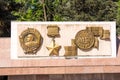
3, 78
117, 44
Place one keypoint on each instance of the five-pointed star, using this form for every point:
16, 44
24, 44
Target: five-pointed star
53, 49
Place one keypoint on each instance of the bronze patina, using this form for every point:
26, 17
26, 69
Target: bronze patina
53, 30
84, 39
106, 35
30, 40
70, 51
53, 48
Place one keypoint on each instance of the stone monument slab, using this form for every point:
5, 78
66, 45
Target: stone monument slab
61, 40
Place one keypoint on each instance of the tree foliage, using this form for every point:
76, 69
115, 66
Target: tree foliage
118, 18
89, 10
59, 10
29, 10
5, 17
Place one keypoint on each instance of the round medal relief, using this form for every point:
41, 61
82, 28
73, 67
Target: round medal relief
84, 39
30, 40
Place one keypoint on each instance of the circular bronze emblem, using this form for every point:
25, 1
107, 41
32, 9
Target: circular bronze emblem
30, 40
84, 39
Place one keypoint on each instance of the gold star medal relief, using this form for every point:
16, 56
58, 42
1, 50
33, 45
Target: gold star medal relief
53, 48
30, 41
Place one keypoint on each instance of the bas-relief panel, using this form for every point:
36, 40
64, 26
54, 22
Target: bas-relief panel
62, 40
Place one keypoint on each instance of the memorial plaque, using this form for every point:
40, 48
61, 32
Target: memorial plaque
49, 40
30, 41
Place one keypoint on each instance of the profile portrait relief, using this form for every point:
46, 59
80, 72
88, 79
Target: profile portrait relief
30, 40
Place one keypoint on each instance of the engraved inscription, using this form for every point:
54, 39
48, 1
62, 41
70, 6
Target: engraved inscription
84, 39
